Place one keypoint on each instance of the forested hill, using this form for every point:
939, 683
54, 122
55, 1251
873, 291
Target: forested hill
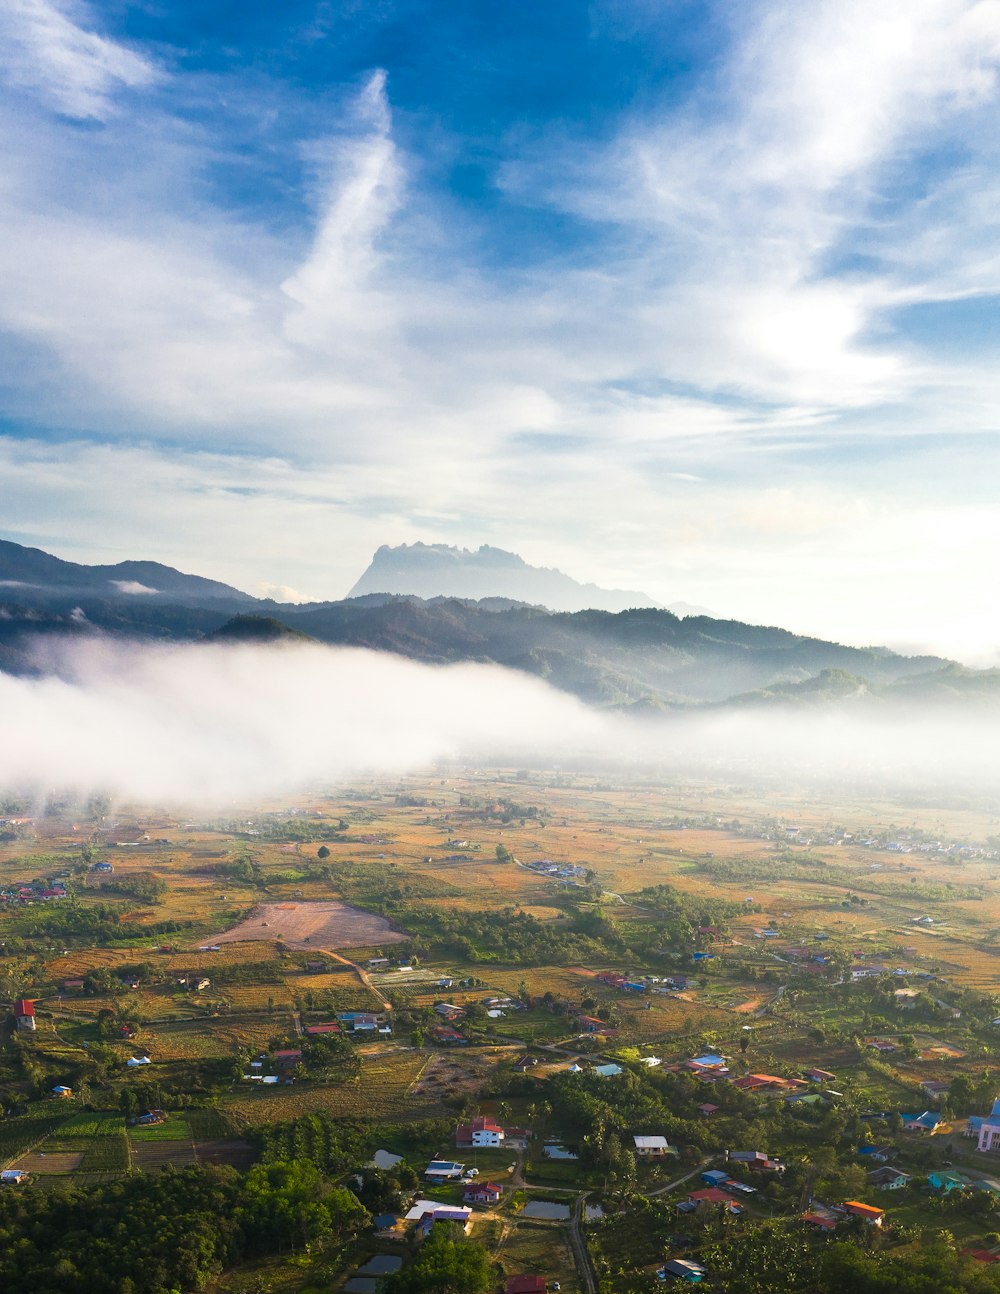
643, 658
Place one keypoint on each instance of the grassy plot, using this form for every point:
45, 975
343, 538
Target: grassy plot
380, 1092
208, 1125
175, 1128
538, 1249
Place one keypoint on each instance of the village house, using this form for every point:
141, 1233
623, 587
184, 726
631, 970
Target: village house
360, 1021
24, 1014
443, 1170
868, 1212
927, 1121
889, 1179
768, 1083
713, 1195
479, 1132
328, 1026
652, 1147
525, 1285
818, 1075
424, 1213
13, 1176
288, 1058
445, 1035
483, 1193
758, 1160
681, 1269
821, 1218
986, 1128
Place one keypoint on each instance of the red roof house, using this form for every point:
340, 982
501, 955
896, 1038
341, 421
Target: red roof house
24, 1013
711, 1195
525, 1285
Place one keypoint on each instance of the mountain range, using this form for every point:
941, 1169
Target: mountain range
642, 658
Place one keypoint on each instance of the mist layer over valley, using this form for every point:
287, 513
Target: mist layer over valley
214, 722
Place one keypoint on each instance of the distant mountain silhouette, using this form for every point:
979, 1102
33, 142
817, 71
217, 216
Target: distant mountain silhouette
439, 570
32, 573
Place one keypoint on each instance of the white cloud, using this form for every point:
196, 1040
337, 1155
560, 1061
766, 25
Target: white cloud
209, 725
632, 415
51, 49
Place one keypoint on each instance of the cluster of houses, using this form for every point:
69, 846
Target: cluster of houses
561, 871
280, 1067
647, 983
18, 896
822, 1217
362, 1022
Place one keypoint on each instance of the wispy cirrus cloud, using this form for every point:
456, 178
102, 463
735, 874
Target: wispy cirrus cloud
50, 47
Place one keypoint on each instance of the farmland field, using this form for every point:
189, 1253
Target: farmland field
761, 928
319, 925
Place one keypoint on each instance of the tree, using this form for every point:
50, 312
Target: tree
322, 852
287, 1203
447, 1263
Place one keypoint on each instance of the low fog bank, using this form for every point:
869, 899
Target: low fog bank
209, 724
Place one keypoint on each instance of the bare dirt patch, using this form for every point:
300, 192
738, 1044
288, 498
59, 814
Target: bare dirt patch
229, 1150
314, 925
53, 1163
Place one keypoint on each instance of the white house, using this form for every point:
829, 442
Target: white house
651, 1147
442, 1170
480, 1132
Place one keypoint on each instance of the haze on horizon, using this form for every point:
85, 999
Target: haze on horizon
697, 298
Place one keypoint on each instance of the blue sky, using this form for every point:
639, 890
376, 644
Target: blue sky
699, 298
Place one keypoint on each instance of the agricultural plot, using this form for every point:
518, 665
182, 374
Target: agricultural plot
211, 1039
17, 1135
50, 1163
538, 1248
151, 1156
382, 1092
175, 1128
233, 1151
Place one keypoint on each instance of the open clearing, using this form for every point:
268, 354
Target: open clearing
318, 925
